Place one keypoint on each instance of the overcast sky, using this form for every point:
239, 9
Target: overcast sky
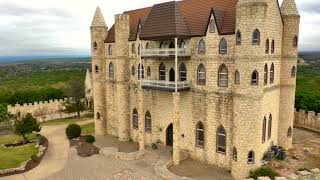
61, 27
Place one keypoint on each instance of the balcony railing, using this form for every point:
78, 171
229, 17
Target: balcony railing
165, 85
182, 52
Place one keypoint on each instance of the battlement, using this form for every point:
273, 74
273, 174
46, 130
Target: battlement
37, 103
309, 120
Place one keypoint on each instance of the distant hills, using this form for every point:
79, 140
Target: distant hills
25, 59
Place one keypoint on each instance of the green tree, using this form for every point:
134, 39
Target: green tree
75, 90
26, 126
4, 114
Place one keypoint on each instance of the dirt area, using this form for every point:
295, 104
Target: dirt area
84, 149
111, 141
199, 171
304, 155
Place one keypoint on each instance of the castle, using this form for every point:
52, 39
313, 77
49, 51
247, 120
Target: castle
214, 79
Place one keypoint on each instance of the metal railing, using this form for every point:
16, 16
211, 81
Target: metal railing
182, 52
157, 84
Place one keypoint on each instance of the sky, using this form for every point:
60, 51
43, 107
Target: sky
61, 27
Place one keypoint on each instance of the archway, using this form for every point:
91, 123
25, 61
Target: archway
171, 45
171, 75
169, 133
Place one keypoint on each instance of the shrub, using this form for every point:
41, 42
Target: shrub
154, 146
34, 158
90, 139
263, 171
73, 131
41, 139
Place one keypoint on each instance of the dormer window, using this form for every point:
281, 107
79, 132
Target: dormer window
223, 46
202, 47
110, 50
212, 26
238, 38
256, 37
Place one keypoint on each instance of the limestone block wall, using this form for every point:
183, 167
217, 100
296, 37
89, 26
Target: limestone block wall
308, 120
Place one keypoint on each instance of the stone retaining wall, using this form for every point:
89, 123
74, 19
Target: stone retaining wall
314, 174
309, 120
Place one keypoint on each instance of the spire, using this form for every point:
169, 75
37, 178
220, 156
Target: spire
289, 7
98, 20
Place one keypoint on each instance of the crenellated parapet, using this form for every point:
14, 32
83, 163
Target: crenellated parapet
308, 120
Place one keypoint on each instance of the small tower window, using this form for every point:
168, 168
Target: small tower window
254, 78
265, 74
133, 48
139, 49
135, 120
223, 46
202, 47
201, 75
235, 154
293, 72
111, 70
183, 72
148, 123
212, 26
95, 46
251, 157
264, 128
140, 71
221, 140
182, 45
289, 134
238, 38
295, 41
237, 77
133, 71
110, 50
98, 116
162, 72
270, 126
148, 71
267, 46
223, 76
272, 47
200, 135
256, 37
147, 46
272, 73
96, 69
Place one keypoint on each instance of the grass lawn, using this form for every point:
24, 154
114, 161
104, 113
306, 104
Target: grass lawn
64, 121
87, 129
13, 157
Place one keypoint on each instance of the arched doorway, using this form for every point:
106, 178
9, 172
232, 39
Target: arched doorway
169, 133
171, 75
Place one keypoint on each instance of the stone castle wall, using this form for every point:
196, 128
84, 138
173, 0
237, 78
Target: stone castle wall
309, 120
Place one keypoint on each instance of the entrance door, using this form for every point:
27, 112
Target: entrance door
170, 135
171, 75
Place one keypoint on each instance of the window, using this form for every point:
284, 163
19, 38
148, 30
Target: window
293, 72
251, 157
148, 122
272, 73
256, 37
111, 70
140, 70
238, 38
139, 49
162, 72
172, 45
135, 119
133, 71
98, 116
162, 45
221, 140
202, 47
201, 75
96, 68
272, 47
289, 134
223, 46
237, 77
110, 50
95, 46
234, 154
212, 26
223, 76
148, 71
269, 126
267, 46
264, 127
182, 44
133, 48
200, 135
265, 74
147, 46
295, 41
254, 78
183, 72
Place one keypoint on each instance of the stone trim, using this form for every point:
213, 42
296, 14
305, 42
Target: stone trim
114, 152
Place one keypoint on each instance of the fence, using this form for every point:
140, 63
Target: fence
309, 120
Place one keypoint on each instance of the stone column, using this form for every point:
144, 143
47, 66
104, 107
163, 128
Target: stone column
176, 128
141, 119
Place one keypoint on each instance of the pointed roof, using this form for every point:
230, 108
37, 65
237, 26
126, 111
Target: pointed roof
289, 7
98, 20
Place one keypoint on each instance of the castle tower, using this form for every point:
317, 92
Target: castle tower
291, 20
99, 32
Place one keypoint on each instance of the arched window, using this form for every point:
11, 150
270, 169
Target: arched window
148, 71
162, 72
267, 46
139, 49
133, 48
200, 135
272, 47
221, 140
147, 46
95, 46
237, 77
212, 26
135, 119
183, 72
223, 46
272, 73
141, 69
148, 124
110, 50
96, 68
133, 71
201, 75
182, 44
251, 157
98, 116
265, 74
293, 72
234, 154
289, 134
295, 41
162, 45
270, 126
256, 37
255, 78
111, 70
171, 45
202, 47
223, 76
264, 128
238, 38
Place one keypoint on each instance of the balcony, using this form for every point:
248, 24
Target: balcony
182, 52
166, 86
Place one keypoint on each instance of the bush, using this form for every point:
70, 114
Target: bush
263, 171
73, 131
34, 158
41, 139
90, 139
